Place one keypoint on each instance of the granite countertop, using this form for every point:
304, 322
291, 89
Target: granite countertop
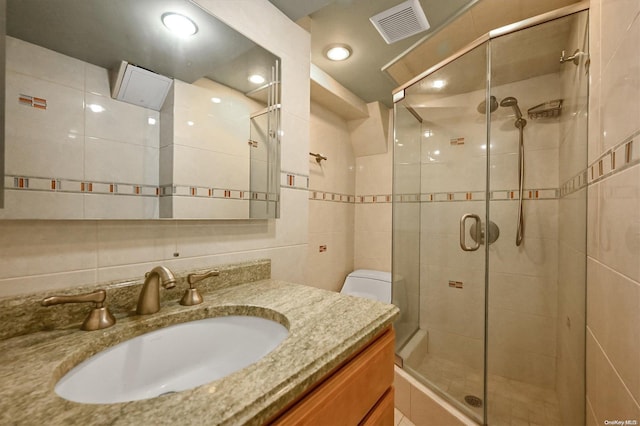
325, 328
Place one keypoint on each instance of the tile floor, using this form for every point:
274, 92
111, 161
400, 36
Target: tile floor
511, 402
400, 419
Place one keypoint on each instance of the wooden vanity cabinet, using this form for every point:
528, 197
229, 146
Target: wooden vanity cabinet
359, 392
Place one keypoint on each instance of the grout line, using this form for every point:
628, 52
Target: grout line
610, 269
624, 385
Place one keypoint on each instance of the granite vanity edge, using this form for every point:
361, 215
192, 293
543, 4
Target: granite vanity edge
23, 314
272, 408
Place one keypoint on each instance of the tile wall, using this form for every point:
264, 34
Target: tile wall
209, 165
349, 204
44, 254
613, 238
332, 185
106, 151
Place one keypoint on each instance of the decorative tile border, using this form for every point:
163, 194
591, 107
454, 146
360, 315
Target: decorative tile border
622, 156
36, 183
331, 196
368, 199
220, 193
500, 195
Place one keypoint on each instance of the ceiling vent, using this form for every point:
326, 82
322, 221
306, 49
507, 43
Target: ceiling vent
401, 21
139, 86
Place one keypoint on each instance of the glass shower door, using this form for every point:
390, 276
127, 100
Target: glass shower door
441, 134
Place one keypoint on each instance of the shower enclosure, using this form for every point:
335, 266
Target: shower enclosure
489, 223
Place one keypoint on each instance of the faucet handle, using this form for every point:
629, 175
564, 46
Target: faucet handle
192, 295
194, 278
99, 317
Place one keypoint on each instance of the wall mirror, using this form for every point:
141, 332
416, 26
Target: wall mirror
111, 115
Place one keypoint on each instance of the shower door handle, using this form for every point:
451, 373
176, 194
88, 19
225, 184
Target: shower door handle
478, 228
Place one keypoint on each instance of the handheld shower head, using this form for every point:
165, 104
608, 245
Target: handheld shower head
510, 101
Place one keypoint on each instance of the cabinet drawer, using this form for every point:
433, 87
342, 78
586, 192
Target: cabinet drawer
346, 396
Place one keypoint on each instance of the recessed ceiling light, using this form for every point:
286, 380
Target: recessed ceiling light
337, 52
216, 100
438, 84
179, 24
256, 79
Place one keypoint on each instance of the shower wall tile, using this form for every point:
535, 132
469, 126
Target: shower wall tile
616, 230
532, 368
610, 292
620, 81
452, 310
524, 294
607, 395
536, 257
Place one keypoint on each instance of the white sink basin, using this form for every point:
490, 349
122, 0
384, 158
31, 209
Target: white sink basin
171, 359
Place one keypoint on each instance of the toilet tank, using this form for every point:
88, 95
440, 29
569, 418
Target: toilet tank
370, 284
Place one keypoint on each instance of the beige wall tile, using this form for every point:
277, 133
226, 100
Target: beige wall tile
607, 395
614, 320
615, 227
620, 83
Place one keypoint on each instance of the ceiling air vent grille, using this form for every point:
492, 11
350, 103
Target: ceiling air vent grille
401, 21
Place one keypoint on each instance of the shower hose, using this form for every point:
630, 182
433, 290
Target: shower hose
520, 123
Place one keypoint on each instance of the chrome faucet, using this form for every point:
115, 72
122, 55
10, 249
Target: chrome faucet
149, 300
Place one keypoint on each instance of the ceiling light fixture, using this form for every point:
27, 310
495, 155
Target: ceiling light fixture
179, 24
337, 52
256, 79
438, 84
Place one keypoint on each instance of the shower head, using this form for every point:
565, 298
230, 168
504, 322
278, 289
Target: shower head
510, 101
493, 105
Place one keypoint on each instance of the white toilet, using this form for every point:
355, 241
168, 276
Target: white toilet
370, 284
